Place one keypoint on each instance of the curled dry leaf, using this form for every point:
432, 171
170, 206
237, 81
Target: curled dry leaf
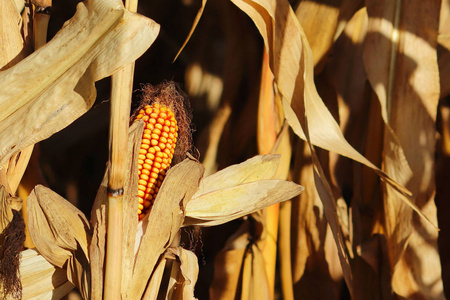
225, 283
254, 169
237, 191
323, 22
154, 284
163, 223
61, 234
400, 58
56, 226
66, 69
240, 266
183, 276
227, 204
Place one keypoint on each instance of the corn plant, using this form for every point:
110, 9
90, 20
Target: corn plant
322, 147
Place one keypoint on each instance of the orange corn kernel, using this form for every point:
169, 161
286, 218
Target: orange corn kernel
156, 152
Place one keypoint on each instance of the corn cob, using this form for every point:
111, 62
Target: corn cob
156, 152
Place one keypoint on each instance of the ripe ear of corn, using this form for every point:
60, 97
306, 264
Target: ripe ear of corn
155, 155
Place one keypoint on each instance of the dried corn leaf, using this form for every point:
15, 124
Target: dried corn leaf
240, 267
291, 61
254, 278
183, 276
40, 279
321, 21
11, 42
257, 168
164, 221
84, 51
309, 234
228, 265
196, 20
401, 63
292, 64
221, 206
360, 119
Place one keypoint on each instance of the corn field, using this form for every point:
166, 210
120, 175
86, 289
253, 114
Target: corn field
243, 149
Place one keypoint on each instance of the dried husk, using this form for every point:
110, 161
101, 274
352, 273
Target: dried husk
6, 214
40, 279
221, 206
257, 168
61, 234
162, 224
238, 190
154, 284
66, 69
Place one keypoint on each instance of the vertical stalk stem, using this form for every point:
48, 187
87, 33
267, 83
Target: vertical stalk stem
121, 88
121, 92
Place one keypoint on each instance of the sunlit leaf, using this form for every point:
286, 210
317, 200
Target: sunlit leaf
220, 206
42, 279
56, 226
254, 169
183, 276
55, 84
